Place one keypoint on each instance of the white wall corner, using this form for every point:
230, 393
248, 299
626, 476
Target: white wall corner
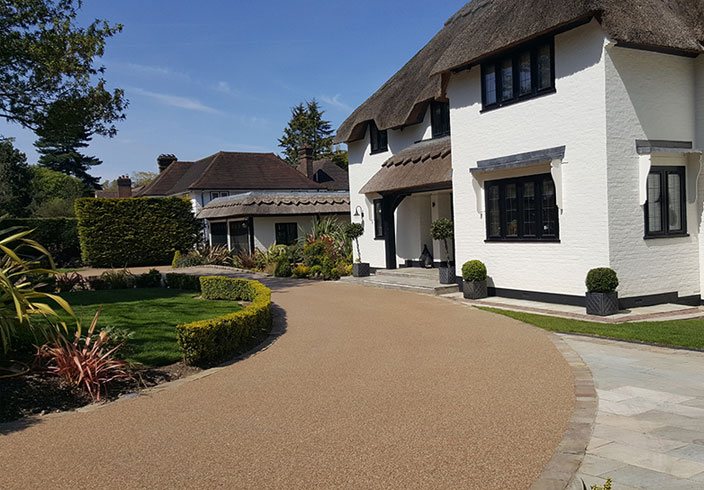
556, 172
644, 164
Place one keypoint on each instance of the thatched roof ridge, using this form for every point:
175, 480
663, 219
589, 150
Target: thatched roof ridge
277, 203
484, 27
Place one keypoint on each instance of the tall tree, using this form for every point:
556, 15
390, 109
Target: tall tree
46, 57
63, 133
306, 126
15, 179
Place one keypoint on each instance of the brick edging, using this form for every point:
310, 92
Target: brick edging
561, 470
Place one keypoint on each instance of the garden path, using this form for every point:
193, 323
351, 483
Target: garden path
365, 388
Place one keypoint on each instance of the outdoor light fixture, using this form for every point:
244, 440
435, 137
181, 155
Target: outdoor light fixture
358, 212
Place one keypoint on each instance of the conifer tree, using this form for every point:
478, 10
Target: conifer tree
306, 126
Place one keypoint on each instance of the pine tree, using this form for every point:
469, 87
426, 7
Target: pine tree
306, 126
15, 180
62, 135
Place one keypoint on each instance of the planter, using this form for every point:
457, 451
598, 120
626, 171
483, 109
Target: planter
474, 290
447, 273
360, 269
602, 304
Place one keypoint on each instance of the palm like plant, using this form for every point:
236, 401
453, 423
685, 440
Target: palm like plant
19, 300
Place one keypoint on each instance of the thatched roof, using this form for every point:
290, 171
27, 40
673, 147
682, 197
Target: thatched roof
276, 203
484, 27
427, 164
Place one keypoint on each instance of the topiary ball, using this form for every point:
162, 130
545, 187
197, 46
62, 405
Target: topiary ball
474, 271
601, 280
354, 231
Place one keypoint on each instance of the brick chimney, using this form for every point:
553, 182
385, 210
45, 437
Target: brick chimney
124, 186
305, 155
164, 160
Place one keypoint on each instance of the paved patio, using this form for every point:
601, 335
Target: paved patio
649, 431
366, 388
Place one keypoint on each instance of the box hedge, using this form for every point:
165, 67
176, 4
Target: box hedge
134, 232
208, 341
187, 282
58, 235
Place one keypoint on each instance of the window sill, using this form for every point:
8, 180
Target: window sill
518, 100
522, 240
376, 152
671, 235
379, 238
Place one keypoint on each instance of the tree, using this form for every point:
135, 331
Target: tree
63, 132
54, 193
139, 179
306, 126
340, 158
14, 180
47, 58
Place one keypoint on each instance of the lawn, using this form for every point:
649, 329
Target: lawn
152, 314
677, 333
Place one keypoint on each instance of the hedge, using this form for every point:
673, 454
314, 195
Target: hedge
58, 235
134, 232
182, 281
208, 341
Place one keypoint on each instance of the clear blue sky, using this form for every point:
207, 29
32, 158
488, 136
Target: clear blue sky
220, 75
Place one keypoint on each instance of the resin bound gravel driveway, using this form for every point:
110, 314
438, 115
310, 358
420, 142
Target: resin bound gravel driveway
367, 388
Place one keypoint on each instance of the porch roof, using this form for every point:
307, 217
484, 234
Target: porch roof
276, 203
426, 164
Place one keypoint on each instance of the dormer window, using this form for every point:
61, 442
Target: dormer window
521, 74
440, 118
379, 139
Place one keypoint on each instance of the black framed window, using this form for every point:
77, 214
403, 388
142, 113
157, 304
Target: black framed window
379, 139
239, 236
665, 209
218, 233
378, 219
440, 118
523, 208
286, 233
520, 74
216, 194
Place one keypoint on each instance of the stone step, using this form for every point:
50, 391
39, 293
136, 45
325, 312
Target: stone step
429, 274
415, 284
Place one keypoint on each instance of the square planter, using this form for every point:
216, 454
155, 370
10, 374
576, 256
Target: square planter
602, 304
360, 269
474, 290
447, 273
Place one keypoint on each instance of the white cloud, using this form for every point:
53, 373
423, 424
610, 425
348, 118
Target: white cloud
223, 87
178, 101
335, 102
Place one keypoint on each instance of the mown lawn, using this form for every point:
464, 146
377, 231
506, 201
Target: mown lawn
152, 314
677, 333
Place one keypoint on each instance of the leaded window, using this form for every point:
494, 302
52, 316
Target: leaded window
665, 209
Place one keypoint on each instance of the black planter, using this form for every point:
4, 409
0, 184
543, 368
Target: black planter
360, 269
447, 273
602, 304
474, 290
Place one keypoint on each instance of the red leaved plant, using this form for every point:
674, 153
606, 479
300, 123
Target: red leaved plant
87, 362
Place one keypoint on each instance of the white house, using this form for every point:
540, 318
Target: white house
577, 131
253, 200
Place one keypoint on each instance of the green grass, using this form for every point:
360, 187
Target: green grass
676, 333
152, 314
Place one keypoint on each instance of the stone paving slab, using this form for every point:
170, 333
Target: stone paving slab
649, 429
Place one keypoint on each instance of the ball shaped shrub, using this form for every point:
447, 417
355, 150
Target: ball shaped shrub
354, 231
474, 271
442, 229
601, 280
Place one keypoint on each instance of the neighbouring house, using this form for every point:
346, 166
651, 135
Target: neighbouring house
254, 200
124, 189
558, 135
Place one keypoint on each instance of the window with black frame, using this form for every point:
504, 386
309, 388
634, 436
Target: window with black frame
665, 208
519, 74
522, 208
218, 233
378, 219
440, 118
379, 139
286, 233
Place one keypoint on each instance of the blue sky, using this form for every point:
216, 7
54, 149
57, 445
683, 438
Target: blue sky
222, 75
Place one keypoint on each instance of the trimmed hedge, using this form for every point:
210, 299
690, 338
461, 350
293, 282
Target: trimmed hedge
134, 232
182, 281
213, 340
58, 235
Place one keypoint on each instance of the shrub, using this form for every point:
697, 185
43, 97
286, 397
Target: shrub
283, 268
203, 255
353, 232
601, 280
177, 256
474, 271
70, 281
316, 271
97, 284
213, 340
143, 231
348, 270
87, 362
443, 229
182, 281
275, 253
301, 271
58, 235
120, 279
151, 279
